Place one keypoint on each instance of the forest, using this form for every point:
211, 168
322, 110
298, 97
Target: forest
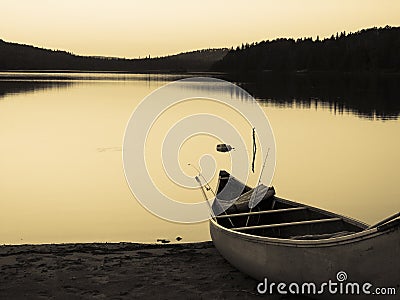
368, 50
15, 56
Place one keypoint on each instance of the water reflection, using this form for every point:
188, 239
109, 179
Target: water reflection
27, 82
10, 87
365, 95
87, 76
62, 178
368, 96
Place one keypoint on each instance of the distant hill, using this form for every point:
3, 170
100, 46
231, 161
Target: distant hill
15, 56
368, 50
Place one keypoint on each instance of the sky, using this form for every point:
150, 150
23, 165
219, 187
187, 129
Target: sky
129, 28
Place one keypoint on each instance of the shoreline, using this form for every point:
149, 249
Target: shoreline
121, 271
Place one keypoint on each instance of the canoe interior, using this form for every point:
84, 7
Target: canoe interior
279, 218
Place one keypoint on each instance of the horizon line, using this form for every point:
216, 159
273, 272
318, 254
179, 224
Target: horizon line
194, 50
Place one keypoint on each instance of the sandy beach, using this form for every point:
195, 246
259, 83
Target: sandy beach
120, 271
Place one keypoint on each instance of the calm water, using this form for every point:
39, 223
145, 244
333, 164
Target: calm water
62, 178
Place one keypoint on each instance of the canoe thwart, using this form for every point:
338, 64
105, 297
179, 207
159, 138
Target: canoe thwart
308, 222
269, 212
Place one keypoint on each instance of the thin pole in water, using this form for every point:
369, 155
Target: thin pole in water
254, 149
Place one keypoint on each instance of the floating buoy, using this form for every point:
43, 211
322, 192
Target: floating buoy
224, 148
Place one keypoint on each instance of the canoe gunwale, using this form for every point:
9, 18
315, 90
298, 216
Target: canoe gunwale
327, 242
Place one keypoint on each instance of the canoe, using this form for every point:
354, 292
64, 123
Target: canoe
282, 241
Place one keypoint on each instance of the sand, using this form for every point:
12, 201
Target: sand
121, 271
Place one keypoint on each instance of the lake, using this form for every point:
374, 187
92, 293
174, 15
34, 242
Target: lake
62, 177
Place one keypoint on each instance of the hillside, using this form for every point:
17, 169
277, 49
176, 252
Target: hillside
15, 56
368, 50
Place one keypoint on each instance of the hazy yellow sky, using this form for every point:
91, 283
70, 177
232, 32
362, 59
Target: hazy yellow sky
129, 28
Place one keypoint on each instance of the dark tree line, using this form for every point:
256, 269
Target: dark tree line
370, 50
24, 57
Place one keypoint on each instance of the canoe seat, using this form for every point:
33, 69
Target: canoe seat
264, 212
269, 226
